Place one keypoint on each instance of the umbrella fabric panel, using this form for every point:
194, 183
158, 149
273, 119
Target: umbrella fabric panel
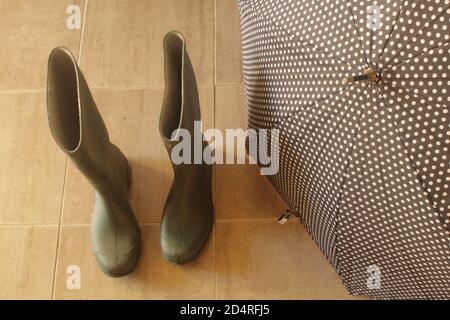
315, 146
374, 32
386, 220
422, 26
424, 129
427, 74
284, 75
326, 26
261, 97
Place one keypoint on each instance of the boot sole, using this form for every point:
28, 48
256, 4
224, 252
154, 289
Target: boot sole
129, 181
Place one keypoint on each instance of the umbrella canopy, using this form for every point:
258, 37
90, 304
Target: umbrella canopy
359, 90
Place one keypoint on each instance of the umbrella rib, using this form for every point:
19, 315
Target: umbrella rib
415, 36
413, 167
325, 144
351, 151
305, 179
422, 78
283, 29
311, 104
333, 131
371, 43
389, 203
397, 131
320, 151
391, 32
418, 55
344, 181
408, 90
357, 30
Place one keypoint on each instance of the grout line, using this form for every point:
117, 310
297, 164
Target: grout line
16, 225
82, 224
149, 223
215, 42
124, 88
72, 225
214, 124
80, 49
120, 88
230, 84
86, 224
59, 229
66, 169
21, 91
245, 220
215, 260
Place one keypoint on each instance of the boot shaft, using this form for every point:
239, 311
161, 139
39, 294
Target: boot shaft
77, 126
181, 106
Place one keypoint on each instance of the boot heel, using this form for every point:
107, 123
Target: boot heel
129, 171
129, 176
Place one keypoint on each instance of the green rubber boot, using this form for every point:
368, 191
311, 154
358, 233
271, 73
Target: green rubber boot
188, 214
80, 132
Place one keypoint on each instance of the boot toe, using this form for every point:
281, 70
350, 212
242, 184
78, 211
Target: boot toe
181, 243
180, 252
118, 265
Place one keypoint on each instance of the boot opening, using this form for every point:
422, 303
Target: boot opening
62, 100
173, 104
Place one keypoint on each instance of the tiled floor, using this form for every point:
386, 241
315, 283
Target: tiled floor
45, 204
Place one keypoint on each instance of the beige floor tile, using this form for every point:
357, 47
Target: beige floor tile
263, 260
239, 188
230, 114
153, 278
31, 165
230, 107
29, 29
241, 192
28, 258
132, 118
122, 46
228, 43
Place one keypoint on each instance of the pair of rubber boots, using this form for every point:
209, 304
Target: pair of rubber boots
80, 132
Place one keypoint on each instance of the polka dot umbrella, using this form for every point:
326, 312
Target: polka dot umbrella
359, 90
